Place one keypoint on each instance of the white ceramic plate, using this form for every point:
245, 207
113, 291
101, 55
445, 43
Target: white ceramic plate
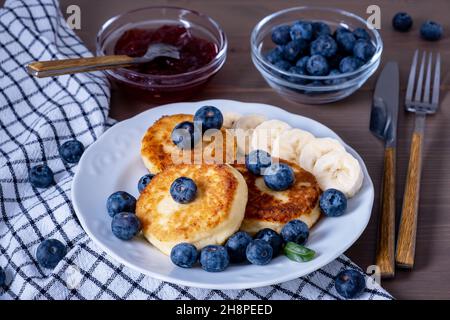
113, 163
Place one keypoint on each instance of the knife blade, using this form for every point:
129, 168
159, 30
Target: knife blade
383, 124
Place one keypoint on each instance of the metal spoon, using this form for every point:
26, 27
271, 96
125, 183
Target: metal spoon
51, 68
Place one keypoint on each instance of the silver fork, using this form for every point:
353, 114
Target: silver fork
421, 105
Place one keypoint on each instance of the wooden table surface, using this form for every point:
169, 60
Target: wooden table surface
239, 80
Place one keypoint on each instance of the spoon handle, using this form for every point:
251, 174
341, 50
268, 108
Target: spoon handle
51, 68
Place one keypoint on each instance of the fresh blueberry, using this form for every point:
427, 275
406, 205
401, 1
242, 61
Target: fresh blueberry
2, 277
431, 31
364, 50
349, 64
340, 30
333, 82
210, 117
144, 181
279, 177
324, 46
302, 30
185, 135
281, 35
294, 49
346, 41
402, 22
236, 246
320, 29
184, 255
275, 55
183, 190
333, 203
120, 201
315, 83
71, 151
350, 283
125, 225
214, 258
295, 231
297, 71
317, 66
302, 62
283, 65
41, 176
271, 237
257, 161
50, 252
361, 34
259, 252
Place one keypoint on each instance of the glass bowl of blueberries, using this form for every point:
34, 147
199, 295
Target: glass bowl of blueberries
315, 55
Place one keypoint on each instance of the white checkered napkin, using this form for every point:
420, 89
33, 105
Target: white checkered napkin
36, 117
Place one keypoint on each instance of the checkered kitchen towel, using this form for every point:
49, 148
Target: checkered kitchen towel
37, 116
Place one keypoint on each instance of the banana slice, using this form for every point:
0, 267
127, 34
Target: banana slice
315, 149
265, 136
229, 119
339, 170
290, 144
244, 127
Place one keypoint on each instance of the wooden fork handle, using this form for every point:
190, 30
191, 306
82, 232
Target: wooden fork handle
42, 69
406, 242
386, 227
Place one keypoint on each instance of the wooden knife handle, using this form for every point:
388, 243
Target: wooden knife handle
386, 231
42, 69
406, 242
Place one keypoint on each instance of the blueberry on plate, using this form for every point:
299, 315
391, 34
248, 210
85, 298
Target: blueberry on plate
71, 151
333, 82
184, 255
320, 29
272, 238
302, 30
210, 117
41, 176
324, 46
275, 55
183, 190
349, 64
259, 252
350, 283
361, 34
295, 231
50, 252
364, 50
120, 201
144, 181
281, 34
214, 258
294, 49
125, 225
402, 22
431, 31
283, 65
346, 41
302, 62
236, 246
257, 161
185, 135
333, 203
279, 177
317, 65
2, 277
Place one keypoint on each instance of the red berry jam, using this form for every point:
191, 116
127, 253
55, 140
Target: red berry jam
194, 52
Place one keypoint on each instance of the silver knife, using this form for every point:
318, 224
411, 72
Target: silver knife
383, 124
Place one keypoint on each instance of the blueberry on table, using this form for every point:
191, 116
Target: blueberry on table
295, 231
302, 30
214, 258
333, 203
186, 135
302, 62
361, 34
183, 190
257, 161
346, 41
210, 117
125, 225
2, 277
324, 46
184, 255
279, 177
283, 65
71, 151
349, 64
402, 22
50, 252
41, 176
281, 35
431, 31
120, 201
275, 55
317, 65
364, 50
144, 181
259, 252
294, 49
350, 283
272, 238
320, 29
236, 246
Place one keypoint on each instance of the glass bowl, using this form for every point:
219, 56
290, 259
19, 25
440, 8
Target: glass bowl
162, 87
302, 88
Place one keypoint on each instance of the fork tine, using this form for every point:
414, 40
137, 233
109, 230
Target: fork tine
412, 75
426, 91
436, 84
418, 94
